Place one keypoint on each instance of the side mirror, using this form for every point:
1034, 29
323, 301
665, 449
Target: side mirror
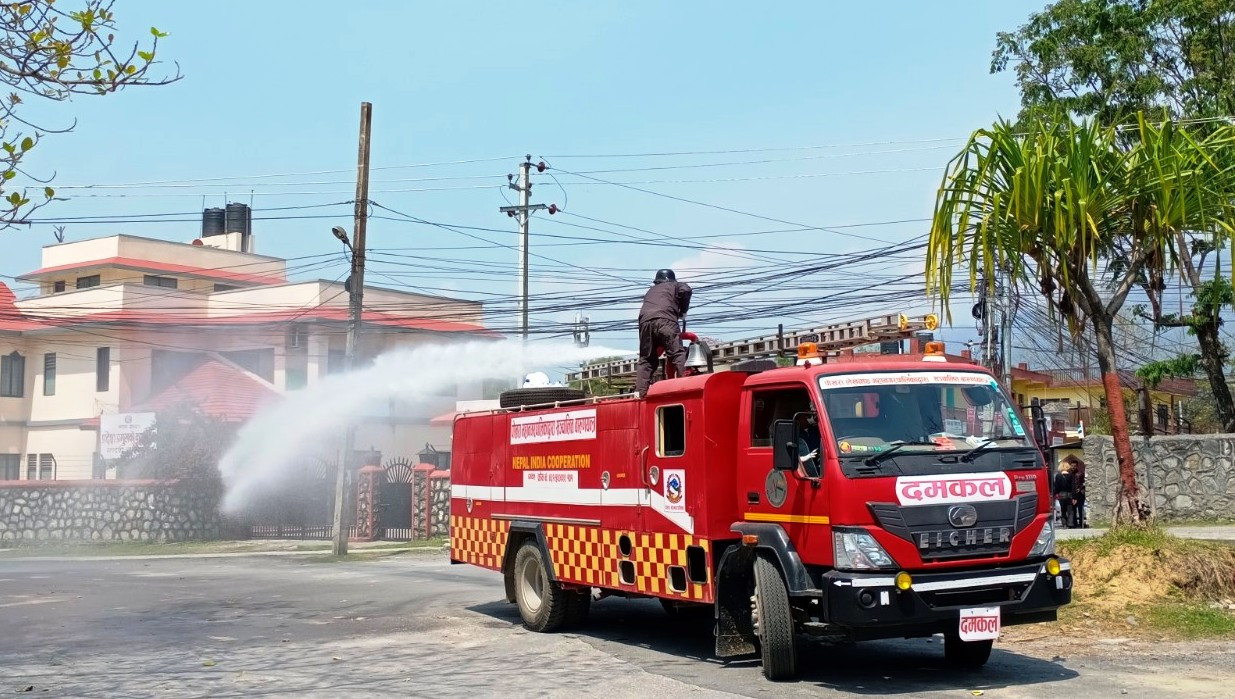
784, 445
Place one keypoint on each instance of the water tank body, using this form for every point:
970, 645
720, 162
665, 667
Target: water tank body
212, 222
239, 219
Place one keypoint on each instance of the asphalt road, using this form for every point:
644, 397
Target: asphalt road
414, 626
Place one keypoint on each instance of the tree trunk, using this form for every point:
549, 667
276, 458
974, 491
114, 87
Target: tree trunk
1128, 506
1212, 358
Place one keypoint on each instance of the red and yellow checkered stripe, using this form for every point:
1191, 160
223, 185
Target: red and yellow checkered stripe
591, 556
478, 540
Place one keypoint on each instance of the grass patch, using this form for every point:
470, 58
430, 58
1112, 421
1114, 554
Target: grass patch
1146, 580
1191, 620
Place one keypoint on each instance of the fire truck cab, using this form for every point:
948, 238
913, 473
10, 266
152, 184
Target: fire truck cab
849, 501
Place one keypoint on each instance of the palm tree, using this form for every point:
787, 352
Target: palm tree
1082, 215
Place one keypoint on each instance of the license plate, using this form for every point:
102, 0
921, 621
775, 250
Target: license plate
979, 624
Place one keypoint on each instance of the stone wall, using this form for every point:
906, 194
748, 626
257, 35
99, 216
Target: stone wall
1184, 476
33, 512
439, 503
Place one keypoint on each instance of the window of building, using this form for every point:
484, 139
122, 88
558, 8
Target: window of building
102, 369
225, 287
87, 282
12, 375
334, 361
10, 467
32, 467
47, 467
769, 406
258, 361
49, 374
1164, 415
165, 282
671, 430
297, 337
57, 287
169, 366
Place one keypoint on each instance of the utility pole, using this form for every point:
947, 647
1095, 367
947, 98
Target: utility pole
355, 306
523, 212
1005, 329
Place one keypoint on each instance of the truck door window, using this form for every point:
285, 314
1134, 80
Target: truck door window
771, 405
671, 430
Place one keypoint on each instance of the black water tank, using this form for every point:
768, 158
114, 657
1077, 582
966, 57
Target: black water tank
239, 219
212, 222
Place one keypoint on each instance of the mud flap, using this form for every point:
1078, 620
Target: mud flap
520, 531
735, 583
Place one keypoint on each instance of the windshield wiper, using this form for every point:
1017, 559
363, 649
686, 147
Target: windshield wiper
972, 454
878, 458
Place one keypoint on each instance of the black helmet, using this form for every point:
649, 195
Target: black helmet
664, 275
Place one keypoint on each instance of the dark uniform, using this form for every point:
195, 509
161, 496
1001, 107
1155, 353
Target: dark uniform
663, 306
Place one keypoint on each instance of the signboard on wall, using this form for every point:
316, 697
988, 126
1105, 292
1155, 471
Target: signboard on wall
121, 432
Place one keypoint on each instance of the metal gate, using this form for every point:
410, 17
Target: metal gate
394, 501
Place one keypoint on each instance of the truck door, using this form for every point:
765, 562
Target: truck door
617, 467
782, 498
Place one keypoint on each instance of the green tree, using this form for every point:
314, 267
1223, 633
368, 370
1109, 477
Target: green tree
1048, 202
1111, 59
50, 52
184, 446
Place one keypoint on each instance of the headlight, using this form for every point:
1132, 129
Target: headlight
1045, 544
856, 549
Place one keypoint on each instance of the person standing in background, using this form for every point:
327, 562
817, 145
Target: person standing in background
1063, 493
1078, 491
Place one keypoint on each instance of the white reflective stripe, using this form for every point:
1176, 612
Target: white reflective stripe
475, 492
974, 582
559, 496
681, 519
1064, 565
597, 497
872, 582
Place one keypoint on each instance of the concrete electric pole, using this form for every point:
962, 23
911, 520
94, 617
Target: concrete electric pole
523, 212
355, 307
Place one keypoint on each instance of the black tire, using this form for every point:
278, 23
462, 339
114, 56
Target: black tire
966, 654
521, 397
777, 641
578, 606
543, 604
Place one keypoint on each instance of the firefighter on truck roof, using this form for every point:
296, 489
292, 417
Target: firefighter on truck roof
664, 305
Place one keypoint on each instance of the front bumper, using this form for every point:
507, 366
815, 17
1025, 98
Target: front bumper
869, 605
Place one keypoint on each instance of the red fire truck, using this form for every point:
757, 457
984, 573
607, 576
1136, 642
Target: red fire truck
868, 499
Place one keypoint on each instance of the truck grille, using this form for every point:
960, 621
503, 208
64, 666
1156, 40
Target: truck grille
928, 529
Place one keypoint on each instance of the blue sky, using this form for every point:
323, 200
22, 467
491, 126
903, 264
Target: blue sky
275, 87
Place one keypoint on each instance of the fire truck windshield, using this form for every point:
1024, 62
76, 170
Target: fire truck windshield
922, 412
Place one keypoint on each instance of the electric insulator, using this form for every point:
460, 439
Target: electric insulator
553, 209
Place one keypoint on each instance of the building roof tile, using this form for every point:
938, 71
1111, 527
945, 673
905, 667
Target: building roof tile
214, 388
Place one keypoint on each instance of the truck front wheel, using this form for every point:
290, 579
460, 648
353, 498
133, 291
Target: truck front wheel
965, 654
773, 621
543, 604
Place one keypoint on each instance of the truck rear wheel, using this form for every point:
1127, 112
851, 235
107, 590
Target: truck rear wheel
543, 604
965, 654
773, 619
